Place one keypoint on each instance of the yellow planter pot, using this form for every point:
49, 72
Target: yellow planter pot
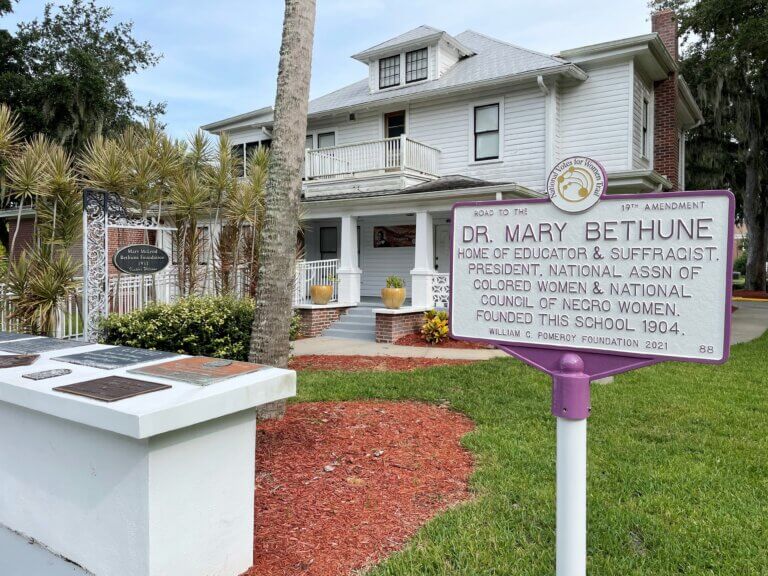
393, 297
321, 294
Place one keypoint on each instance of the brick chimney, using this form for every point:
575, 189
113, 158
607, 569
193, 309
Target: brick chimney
666, 146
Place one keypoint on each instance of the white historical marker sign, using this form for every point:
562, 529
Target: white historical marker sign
643, 275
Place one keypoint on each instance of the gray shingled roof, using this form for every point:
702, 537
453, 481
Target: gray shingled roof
421, 32
494, 59
450, 182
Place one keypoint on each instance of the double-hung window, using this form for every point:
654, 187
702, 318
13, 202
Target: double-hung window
326, 140
486, 127
389, 71
416, 65
646, 114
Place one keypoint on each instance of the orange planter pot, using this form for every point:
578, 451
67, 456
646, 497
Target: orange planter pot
321, 294
393, 297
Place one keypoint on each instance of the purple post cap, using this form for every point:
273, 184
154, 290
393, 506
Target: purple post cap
571, 363
570, 388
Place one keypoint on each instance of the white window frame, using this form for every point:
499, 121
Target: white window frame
431, 68
383, 119
405, 61
401, 75
314, 133
645, 126
471, 132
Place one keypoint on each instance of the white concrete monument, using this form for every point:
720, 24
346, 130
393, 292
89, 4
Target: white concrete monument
156, 484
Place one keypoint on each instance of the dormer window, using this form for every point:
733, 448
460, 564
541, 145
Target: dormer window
389, 72
416, 65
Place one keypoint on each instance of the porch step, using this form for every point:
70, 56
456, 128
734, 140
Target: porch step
359, 323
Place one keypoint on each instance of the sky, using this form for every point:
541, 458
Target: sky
220, 57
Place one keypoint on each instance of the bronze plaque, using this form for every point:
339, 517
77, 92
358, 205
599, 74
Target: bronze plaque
111, 388
114, 357
199, 370
32, 345
18, 360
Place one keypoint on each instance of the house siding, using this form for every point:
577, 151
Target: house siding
594, 116
446, 126
378, 263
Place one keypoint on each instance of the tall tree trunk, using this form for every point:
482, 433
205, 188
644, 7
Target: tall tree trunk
271, 324
756, 218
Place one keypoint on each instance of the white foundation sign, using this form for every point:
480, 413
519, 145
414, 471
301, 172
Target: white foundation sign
643, 275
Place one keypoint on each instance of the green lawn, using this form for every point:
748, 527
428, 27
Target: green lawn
678, 468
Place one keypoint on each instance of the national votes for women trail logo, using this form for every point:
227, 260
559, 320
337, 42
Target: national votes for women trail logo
576, 184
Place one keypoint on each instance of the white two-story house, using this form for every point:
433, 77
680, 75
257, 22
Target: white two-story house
440, 118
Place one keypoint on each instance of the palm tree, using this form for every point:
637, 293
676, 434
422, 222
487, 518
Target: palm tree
277, 250
189, 198
10, 136
222, 179
26, 173
103, 165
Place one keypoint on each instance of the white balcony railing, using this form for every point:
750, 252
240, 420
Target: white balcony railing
399, 154
310, 273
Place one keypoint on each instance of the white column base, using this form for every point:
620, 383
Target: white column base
421, 288
349, 285
175, 504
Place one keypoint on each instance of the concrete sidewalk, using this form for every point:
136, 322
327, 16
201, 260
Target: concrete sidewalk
344, 347
749, 322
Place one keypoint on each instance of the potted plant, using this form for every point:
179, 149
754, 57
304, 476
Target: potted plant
394, 294
321, 293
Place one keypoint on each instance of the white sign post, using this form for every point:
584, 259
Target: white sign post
584, 287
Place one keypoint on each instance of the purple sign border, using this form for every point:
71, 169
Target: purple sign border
601, 363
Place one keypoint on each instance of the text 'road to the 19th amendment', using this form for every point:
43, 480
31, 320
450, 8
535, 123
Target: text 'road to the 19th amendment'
631, 275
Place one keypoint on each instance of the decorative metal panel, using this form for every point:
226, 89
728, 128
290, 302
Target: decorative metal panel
114, 357
198, 370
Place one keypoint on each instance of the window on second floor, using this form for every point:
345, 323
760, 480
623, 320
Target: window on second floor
326, 139
389, 71
486, 132
646, 114
416, 65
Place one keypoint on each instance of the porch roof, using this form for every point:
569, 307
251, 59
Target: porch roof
444, 183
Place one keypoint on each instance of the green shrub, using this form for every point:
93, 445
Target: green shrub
295, 330
395, 282
430, 314
435, 327
210, 326
740, 263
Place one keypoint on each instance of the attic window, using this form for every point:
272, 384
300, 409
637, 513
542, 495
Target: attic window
416, 65
389, 71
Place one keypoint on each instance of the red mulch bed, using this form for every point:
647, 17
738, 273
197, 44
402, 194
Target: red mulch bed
751, 294
374, 363
415, 339
339, 486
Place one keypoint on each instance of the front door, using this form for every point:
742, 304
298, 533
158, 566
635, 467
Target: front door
443, 248
394, 124
394, 127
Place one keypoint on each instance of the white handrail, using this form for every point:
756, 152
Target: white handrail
314, 272
389, 154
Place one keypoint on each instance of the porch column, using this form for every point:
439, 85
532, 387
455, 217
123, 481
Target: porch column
348, 271
424, 262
